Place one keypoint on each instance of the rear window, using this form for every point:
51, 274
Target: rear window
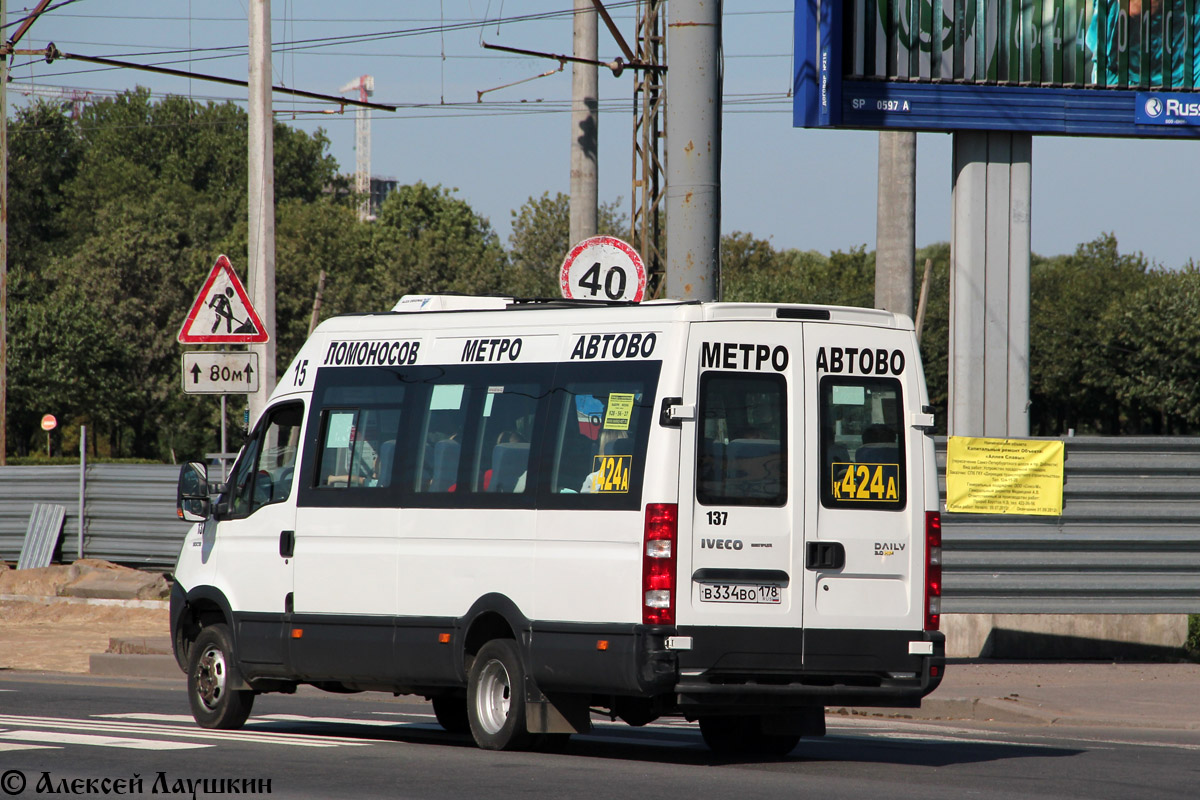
742, 458
862, 446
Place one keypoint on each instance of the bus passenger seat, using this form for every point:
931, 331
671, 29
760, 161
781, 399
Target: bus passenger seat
445, 465
509, 462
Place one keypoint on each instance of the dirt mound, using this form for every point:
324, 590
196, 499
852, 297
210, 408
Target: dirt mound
42, 632
58, 580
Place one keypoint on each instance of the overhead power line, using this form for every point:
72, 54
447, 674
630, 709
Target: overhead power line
53, 53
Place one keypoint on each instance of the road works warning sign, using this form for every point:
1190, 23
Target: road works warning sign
222, 313
1004, 476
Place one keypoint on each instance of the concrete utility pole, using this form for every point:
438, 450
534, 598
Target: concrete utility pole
694, 149
3, 246
262, 197
585, 122
896, 221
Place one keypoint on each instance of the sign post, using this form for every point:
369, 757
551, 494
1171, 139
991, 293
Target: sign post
49, 423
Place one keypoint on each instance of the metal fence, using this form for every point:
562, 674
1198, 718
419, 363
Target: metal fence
1128, 540
128, 510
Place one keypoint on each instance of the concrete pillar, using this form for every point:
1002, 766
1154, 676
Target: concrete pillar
693, 196
989, 285
261, 186
585, 123
896, 221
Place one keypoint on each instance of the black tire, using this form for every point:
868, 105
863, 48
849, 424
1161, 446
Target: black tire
451, 713
743, 736
214, 704
496, 697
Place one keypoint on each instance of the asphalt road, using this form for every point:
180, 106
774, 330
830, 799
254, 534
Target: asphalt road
66, 735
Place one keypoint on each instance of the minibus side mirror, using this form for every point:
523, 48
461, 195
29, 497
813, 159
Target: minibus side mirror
191, 495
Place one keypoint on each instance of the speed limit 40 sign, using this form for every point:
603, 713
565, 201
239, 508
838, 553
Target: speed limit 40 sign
603, 268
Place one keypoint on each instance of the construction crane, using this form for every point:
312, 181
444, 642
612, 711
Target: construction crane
365, 86
76, 97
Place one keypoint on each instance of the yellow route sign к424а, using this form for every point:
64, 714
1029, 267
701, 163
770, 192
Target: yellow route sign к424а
1004, 476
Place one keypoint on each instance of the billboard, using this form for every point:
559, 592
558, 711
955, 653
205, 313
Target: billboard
1100, 67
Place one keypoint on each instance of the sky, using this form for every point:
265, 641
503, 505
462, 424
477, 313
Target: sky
805, 189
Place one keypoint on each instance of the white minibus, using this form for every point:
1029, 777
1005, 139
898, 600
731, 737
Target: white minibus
531, 513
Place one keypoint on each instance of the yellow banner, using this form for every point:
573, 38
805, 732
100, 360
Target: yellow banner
1004, 476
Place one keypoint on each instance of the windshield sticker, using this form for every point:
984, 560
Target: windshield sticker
620, 411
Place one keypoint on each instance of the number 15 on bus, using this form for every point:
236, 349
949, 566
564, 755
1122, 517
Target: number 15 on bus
603, 268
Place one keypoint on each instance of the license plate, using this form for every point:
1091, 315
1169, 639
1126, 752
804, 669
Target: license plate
740, 593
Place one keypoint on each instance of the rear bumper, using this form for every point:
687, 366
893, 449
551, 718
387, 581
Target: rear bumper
737, 668
730, 670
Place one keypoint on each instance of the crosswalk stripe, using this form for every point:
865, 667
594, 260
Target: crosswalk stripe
325, 720
184, 718
6, 747
54, 737
203, 734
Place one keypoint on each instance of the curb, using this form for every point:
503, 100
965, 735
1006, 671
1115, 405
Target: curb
124, 665
977, 709
87, 601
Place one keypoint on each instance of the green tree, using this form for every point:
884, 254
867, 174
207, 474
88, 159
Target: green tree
1152, 343
541, 229
428, 240
311, 237
1070, 373
43, 158
117, 220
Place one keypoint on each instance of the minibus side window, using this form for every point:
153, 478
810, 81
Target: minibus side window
264, 474
862, 444
445, 422
358, 448
359, 426
742, 453
476, 434
600, 418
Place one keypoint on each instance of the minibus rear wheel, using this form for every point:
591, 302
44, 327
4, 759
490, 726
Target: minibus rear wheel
496, 697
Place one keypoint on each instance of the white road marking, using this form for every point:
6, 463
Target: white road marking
186, 719
327, 720
895, 729
118, 728
55, 737
14, 747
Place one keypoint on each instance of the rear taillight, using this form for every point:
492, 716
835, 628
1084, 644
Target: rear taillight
933, 570
658, 564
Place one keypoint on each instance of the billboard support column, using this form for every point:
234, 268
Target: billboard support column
693, 195
896, 221
989, 284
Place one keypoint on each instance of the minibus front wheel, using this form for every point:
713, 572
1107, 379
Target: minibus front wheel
211, 678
